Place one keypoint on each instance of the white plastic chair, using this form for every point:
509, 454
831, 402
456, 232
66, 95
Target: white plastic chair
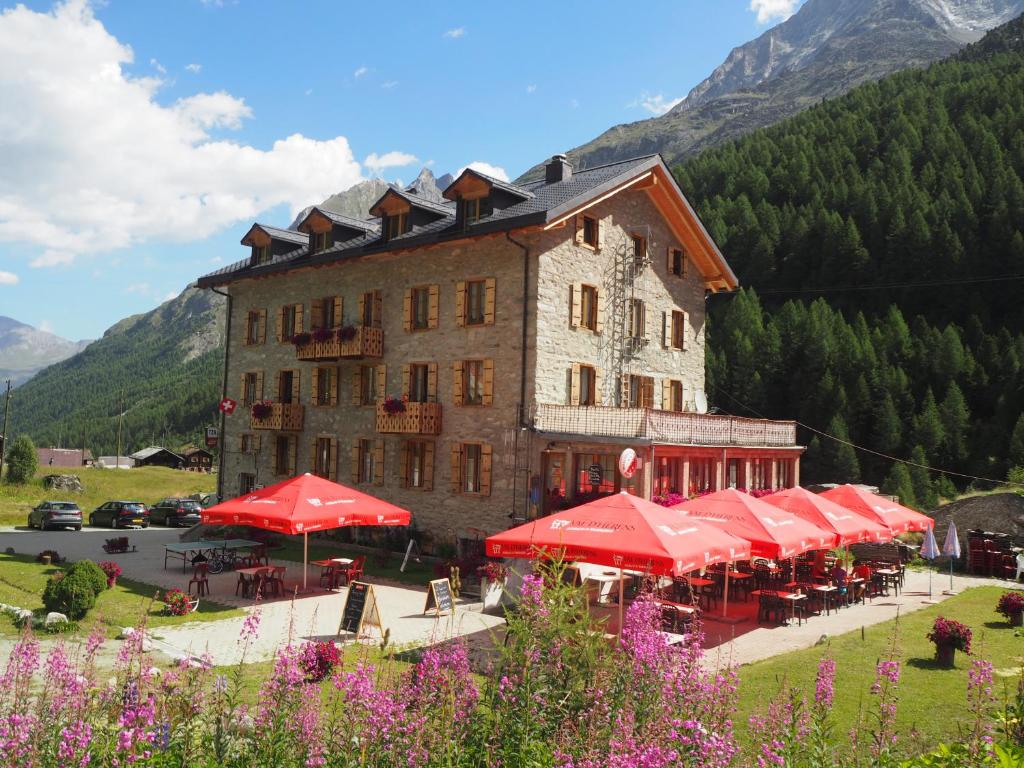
1020, 566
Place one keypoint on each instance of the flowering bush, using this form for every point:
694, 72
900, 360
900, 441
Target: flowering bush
669, 499
393, 405
301, 338
1010, 604
322, 334
951, 633
318, 659
111, 569
346, 333
492, 571
177, 603
262, 409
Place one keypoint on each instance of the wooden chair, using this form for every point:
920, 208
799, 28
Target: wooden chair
200, 577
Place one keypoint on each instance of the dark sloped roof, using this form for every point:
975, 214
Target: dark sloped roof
289, 235
366, 225
514, 189
420, 202
547, 201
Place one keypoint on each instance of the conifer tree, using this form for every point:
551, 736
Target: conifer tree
898, 483
924, 488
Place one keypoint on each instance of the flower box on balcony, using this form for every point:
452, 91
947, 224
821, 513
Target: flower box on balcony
348, 342
416, 419
281, 417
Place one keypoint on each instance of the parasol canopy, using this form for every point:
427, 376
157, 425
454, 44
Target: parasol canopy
894, 516
772, 532
850, 527
622, 531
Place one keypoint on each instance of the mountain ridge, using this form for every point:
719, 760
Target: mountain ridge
26, 350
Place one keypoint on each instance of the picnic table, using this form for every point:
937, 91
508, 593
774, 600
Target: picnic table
188, 550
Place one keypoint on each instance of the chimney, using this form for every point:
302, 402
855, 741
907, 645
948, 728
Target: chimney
557, 169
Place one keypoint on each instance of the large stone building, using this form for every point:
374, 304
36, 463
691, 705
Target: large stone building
486, 359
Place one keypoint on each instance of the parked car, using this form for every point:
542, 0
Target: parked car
120, 514
55, 514
175, 512
206, 499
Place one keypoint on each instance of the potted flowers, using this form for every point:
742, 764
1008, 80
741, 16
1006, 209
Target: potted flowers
112, 570
301, 338
949, 637
346, 333
322, 334
262, 409
1011, 605
492, 584
393, 406
178, 603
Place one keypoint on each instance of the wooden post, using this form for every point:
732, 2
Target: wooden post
3, 435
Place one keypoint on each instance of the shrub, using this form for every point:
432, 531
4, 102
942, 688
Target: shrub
112, 571
73, 592
952, 633
1010, 603
22, 462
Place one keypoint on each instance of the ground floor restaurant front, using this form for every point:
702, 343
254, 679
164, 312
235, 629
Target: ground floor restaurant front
574, 472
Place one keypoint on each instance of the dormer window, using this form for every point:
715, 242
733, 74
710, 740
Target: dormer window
471, 209
319, 241
396, 224
260, 254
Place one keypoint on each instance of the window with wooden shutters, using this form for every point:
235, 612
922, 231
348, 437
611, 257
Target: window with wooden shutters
252, 327
490, 296
325, 457
283, 461
475, 299
678, 329
416, 382
671, 395
639, 252
637, 318
677, 262
289, 322
588, 307
456, 467
249, 443
588, 231
471, 468
458, 381
288, 386
364, 460
378, 461
325, 385
417, 310
250, 388
260, 254
246, 483
417, 463
381, 376
364, 385
586, 376
477, 382
472, 455
638, 391
433, 306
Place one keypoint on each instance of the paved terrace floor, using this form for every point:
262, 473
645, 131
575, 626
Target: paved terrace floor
316, 615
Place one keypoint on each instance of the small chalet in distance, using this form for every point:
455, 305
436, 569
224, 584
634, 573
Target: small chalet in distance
484, 359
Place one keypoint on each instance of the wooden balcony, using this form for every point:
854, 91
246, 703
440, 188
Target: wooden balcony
665, 427
367, 342
417, 419
283, 417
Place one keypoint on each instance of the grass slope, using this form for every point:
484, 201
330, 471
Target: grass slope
22, 581
147, 484
933, 701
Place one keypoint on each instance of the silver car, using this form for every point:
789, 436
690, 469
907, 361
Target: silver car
55, 514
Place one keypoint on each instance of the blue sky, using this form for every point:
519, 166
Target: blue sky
138, 139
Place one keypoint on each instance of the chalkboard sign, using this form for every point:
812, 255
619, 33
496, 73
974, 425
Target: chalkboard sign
360, 609
595, 473
439, 596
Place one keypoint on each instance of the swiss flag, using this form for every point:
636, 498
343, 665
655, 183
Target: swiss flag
227, 405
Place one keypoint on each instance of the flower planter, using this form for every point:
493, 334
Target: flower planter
45, 559
944, 655
1017, 619
491, 594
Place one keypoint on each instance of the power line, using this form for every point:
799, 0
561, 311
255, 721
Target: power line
870, 450
888, 286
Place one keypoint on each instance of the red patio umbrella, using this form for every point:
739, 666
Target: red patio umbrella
814, 508
303, 504
772, 532
622, 531
894, 516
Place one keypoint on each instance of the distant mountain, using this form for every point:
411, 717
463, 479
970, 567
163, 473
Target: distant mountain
822, 51
25, 350
165, 366
357, 199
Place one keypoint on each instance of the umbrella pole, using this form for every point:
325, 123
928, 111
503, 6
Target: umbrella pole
622, 592
725, 597
305, 558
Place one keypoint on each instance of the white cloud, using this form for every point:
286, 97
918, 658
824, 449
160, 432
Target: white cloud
158, 66
52, 258
389, 84
769, 10
46, 326
139, 288
8, 278
92, 162
214, 110
491, 170
376, 163
657, 105
194, 68
531, 88
360, 72
456, 33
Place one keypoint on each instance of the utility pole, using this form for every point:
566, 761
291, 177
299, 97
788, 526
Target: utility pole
120, 418
3, 437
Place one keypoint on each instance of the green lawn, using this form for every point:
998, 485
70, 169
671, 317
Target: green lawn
932, 701
147, 484
415, 573
22, 581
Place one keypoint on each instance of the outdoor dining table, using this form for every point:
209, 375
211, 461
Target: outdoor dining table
336, 566
825, 591
858, 582
792, 597
890, 577
679, 608
256, 575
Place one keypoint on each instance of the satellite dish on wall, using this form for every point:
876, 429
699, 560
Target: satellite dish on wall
700, 401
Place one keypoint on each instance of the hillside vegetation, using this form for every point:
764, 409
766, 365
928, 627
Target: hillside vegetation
900, 206
165, 366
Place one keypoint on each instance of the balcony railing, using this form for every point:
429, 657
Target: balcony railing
416, 419
367, 342
665, 426
286, 417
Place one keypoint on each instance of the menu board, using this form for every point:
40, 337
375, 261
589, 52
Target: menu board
360, 609
439, 596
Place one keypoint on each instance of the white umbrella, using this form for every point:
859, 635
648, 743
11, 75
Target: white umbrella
951, 548
929, 551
